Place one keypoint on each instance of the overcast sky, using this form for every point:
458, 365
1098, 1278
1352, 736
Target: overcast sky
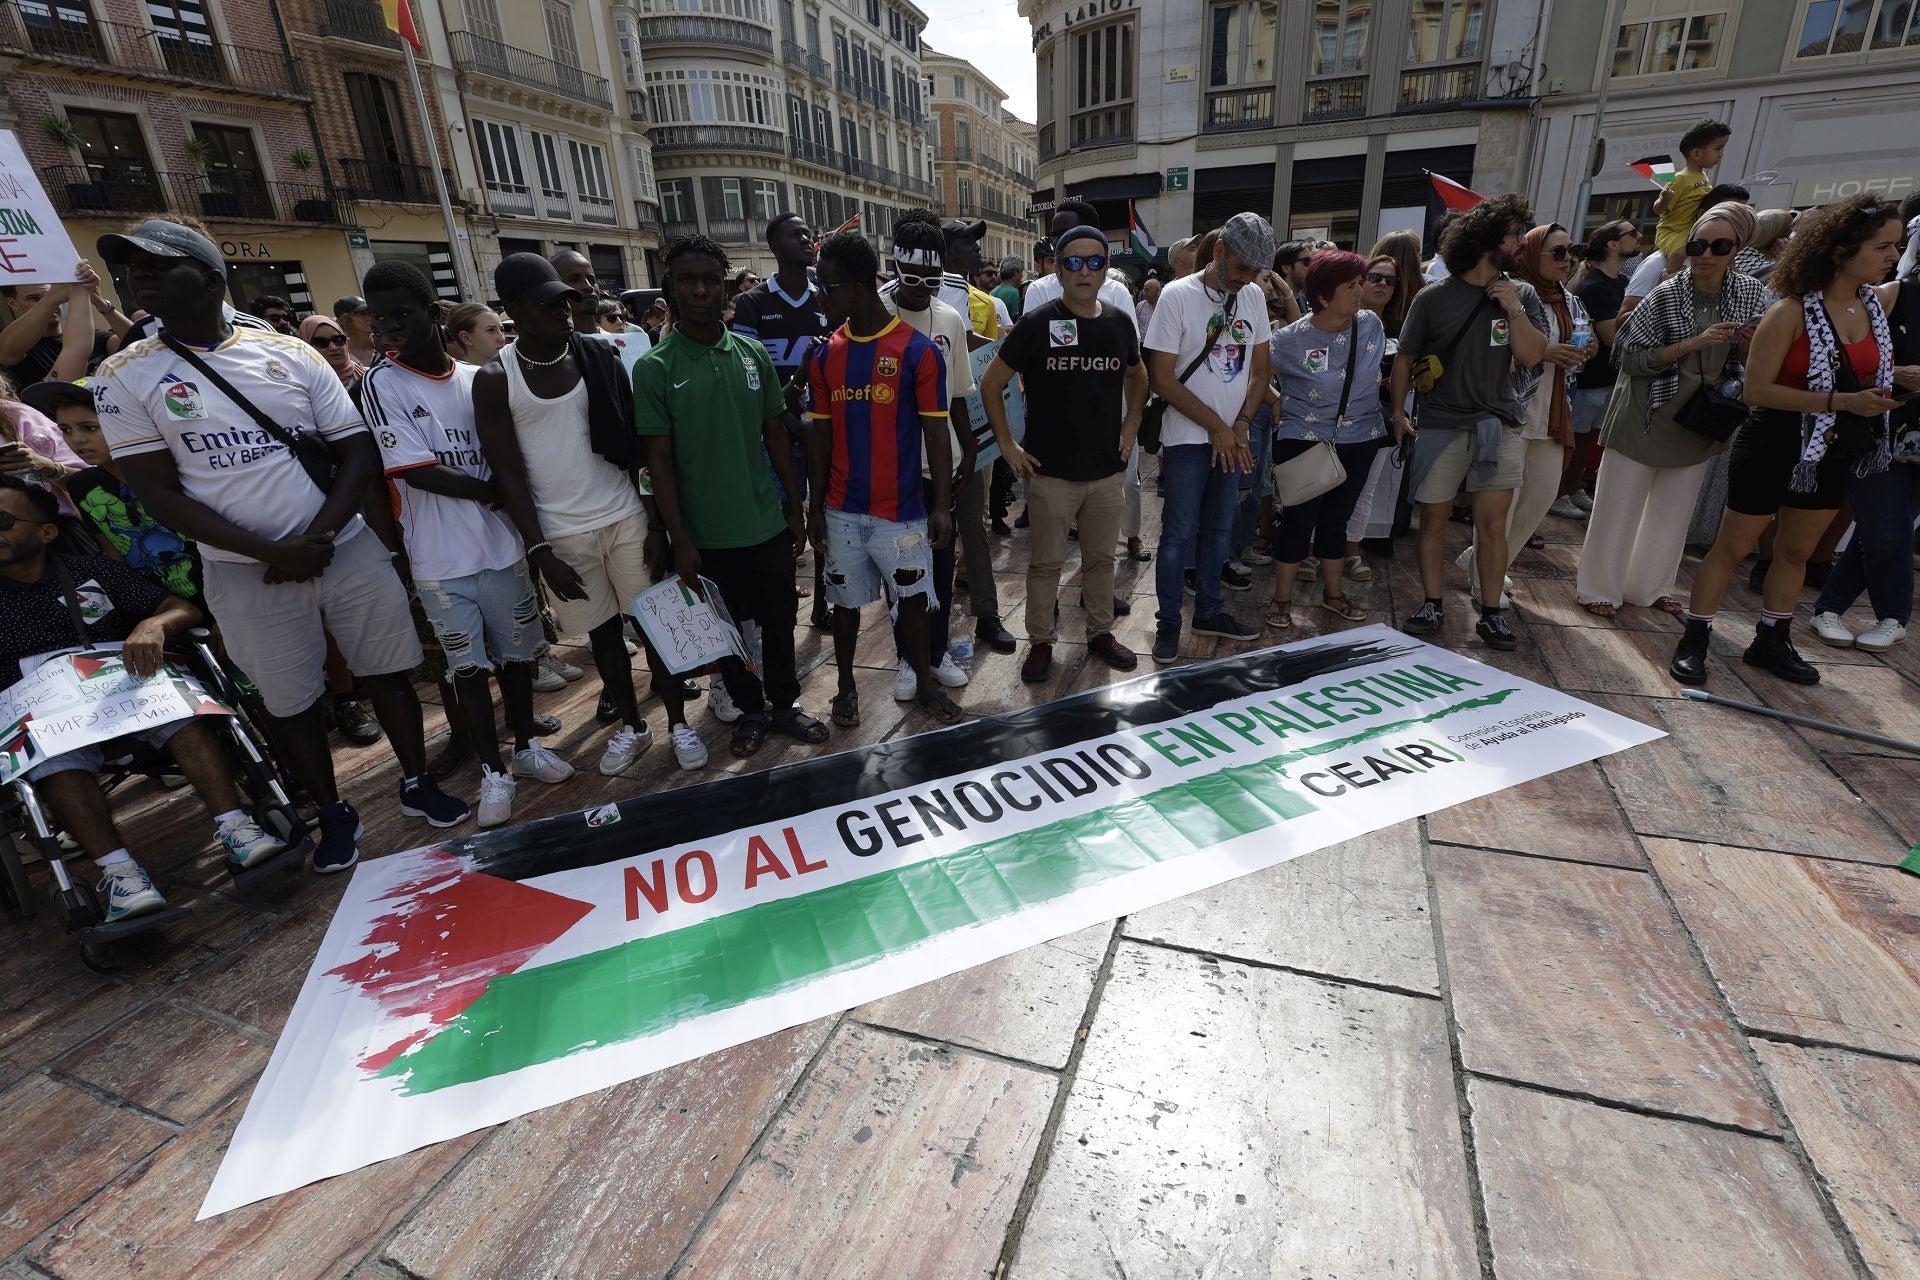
991, 35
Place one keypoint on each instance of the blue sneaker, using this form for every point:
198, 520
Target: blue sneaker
128, 891
340, 828
248, 843
422, 797
1166, 643
1226, 626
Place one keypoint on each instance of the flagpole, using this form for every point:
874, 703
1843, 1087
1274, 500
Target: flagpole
470, 286
1579, 219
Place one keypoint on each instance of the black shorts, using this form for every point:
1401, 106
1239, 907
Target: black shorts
1760, 469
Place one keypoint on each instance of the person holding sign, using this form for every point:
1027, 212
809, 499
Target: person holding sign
710, 407
1079, 358
878, 400
57, 602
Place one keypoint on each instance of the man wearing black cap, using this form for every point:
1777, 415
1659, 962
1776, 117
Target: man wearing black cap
555, 415
962, 260
356, 321
203, 421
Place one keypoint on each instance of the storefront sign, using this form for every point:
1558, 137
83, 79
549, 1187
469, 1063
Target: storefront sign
245, 250
468, 983
1077, 15
1825, 190
34, 246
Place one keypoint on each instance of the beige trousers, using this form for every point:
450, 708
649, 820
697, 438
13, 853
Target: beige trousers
1094, 508
1637, 532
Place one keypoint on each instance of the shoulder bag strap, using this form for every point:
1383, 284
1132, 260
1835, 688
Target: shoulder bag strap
1233, 300
268, 425
1346, 384
71, 594
1461, 334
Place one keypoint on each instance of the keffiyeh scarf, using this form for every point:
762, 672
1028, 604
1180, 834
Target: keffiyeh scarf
1666, 318
1824, 354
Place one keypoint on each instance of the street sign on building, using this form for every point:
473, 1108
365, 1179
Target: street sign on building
356, 238
1178, 178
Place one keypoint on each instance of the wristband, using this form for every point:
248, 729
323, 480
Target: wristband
537, 548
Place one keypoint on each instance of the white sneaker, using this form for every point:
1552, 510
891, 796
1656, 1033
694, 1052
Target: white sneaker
1565, 507
623, 749
248, 843
1253, 556
496, 798
632, 648
1833, 631
128, 891
1882, 636
1238, 567
947, 673
550, 674
538, 762
906, 685
560, 666
688, 751
1506, 590
1583, 500
720, 702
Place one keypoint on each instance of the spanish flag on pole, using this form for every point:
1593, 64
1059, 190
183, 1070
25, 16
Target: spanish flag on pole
399, 15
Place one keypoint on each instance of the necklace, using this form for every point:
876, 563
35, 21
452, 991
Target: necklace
542, 364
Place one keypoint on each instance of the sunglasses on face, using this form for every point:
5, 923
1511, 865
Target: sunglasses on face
1381, 277
1558, 253
8, 520
1082, 262
916, 280
330, 340
1719, 247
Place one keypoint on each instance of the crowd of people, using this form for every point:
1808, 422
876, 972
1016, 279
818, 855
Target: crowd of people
410, 491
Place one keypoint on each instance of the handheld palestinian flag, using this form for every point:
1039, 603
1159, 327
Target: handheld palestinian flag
1138, 236
1445, 196
1658, 170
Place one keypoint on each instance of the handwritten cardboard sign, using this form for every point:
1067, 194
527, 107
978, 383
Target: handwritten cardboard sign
34, 245
688, 632
80, 699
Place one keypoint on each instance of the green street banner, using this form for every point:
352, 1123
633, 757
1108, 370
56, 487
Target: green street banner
468, 983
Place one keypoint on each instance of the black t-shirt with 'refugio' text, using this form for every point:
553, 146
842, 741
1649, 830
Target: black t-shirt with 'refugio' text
1074, 372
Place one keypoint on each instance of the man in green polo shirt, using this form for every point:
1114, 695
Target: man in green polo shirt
708, 399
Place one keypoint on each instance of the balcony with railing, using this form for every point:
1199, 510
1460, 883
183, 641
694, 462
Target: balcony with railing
813, 153
675, 230
503, 62
717, 137
59, 34
512, 198
389, 181
819, 68
81, 191
793, 54
1341, 99
1229, 110
728, 230
701, 28
1103, 127
1439, 88
637, 106
598, 209
914, 186
360, 21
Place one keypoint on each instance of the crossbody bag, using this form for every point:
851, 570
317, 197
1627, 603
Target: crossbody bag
315, 456
1306, 476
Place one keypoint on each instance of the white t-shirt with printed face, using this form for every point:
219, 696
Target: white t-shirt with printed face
418, 420
1189, 320
150, 399
948, 330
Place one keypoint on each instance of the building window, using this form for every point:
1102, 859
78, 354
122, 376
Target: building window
483, 19
1847, 26
185, 37
236, 183
1687, 42
500, 157
1445, 30
1240, 64
966, 197
590, 173
1103, 85
766, 200
893, 23
960, 87
913, 36
962, 140
643, 173
699, 95
115, 153
546, 161
1340, 30
676, 201
873, 13
560, 33
731, 205
813, 34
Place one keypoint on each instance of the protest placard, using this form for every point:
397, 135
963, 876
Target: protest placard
1014, 398
34, 245
687, 631
74, 700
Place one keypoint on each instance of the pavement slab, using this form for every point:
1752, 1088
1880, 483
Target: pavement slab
63, 1145
1857, 1116
1358, 910
1574, 1189
1570, 814
1889, 784
169, 1060
1826, 951
1231, 1121
1875, 699
896, 1160
1579, 979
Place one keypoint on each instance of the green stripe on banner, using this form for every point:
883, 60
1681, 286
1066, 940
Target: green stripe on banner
1912, 861
650, 984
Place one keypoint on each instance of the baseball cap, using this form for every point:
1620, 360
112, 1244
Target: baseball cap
1250, 236
528, 277
163, 239
45, 397
961, 230
351, 305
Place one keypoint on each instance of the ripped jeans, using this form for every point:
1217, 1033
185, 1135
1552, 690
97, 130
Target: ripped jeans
868, 557
484, 619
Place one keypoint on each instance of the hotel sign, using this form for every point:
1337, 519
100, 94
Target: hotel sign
1077, 15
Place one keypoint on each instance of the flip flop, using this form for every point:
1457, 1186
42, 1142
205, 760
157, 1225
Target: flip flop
1667, 604
795, 723
845, 708
749, 735
937, 704
1599, 608
1280, 616
1345, 608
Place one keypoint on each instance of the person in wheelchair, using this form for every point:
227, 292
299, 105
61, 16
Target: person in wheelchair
115, 604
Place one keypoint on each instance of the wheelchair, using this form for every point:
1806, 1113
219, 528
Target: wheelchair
26, 826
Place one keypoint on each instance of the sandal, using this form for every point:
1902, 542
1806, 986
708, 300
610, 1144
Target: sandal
1599, 608
937, 704
1345, 608
1279, 615
845, 708
1667, 604
796, 723
1358, 570
1309, 570
1537, 542
749, 735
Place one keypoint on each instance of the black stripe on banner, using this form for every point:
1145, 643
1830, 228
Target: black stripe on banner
691, 814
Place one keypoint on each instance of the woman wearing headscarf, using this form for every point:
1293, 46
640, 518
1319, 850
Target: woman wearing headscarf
1680, 339
1545, 258
1771, 230
330, 340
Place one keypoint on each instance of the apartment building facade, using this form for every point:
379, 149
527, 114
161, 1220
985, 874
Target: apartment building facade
983, 155
764, 106
1321, 114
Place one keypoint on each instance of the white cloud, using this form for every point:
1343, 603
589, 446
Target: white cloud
994, 38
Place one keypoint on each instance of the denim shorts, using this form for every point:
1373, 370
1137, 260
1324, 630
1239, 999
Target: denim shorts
89, 758
868, 557
484, 619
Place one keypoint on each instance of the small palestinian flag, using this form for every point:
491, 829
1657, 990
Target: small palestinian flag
1658, 170
1138, 237
1445, 196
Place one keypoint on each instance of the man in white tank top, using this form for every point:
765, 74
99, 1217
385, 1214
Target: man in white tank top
578, 512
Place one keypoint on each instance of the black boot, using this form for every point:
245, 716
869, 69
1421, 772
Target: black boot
988, 631
1689, 665
1773, 650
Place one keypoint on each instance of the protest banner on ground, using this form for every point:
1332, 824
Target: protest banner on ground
463, 985
1014, 397
77, 699
34, 245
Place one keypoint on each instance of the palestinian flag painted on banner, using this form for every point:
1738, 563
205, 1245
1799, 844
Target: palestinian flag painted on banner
1138, 237
462, 985
1658, 170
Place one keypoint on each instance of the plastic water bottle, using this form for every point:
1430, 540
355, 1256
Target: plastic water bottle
1582, 332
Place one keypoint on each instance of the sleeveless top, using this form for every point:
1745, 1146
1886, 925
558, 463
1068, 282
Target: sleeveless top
575, 489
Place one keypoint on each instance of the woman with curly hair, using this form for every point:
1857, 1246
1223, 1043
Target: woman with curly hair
1818, 381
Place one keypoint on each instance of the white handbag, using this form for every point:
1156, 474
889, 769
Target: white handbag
1306, 476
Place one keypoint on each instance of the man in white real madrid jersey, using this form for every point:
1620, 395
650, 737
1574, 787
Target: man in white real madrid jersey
204, 420
464, 557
